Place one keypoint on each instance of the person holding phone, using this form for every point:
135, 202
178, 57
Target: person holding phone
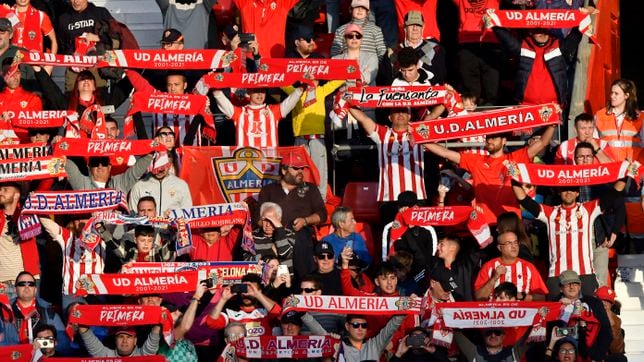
256, 311
345, 235
417, 346
44, 341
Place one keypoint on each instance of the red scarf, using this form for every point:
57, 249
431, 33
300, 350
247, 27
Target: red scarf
221, 272
28, 34
397, 96
7, 12
121, 316
117, 284
60, 60
251, 80
483, 123
296, 347
168, 59
328, 69
547, 19
571, 175
370, 305
28, 248
17, 352
105, 147
39, 119
149, 358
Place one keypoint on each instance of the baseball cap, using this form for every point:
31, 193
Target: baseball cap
357, 3
605, 293
292, 317
125, 330
171, 35
5, 25
231, 30
407, 198
353, 28
304, 32
294, 159
445, 277
324, 247
414, 18
569, 276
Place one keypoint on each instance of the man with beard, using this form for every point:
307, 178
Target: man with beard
302, 208
304, 44
256, 311
492, 189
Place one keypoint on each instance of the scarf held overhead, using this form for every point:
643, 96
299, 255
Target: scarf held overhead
73, 202
134, 284
571, 175
371, 305
397, 96
31, 169
38, 119
105, 147
221, 272
293, 347
484, 123
250, 80
24, 151
327, 69
547, 19
149, 358
166, 103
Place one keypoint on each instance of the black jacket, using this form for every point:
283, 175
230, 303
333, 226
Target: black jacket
72, 24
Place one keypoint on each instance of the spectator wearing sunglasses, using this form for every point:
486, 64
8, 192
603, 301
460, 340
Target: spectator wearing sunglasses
353, 38
100, 174
331, 322
304, 44
326, 269
492, 348
31, 312
373, 42
357, 347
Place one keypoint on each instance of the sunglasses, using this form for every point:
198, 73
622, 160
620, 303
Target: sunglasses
496, 332
103, 163
26, 284
325, 257
309, 290
353, 36
356, 325
297, 168
166, 134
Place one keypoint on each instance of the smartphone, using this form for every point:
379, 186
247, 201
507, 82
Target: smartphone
416, 340
210, 283
349, 244
245, 38
282, 269
44, 343
239, 288
566, 332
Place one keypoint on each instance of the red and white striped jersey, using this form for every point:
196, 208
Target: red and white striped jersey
521, 273
180, 123
77, 260
570, 233
566, 152
401, 164
257, 125
475, 150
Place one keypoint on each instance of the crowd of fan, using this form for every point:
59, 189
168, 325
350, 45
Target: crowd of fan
533, 258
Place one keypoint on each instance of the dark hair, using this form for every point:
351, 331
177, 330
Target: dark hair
111, 120
177, 72
508, 288
629, 88
385, 269
584, 117
44, 327
584, 145
24, 272
252, 278
147, 198
407, 57
143, 230
312, 278
510, 221
351, 317
74, 98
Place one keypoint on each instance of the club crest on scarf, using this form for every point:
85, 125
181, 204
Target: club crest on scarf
246, 171
85, 284
292, 302
423, 131
545, 113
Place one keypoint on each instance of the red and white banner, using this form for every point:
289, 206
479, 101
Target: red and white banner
121, 315
484, 123
24, 151
328, 69
215, 215
17, 352
60, 60
31, 169
38, 119
251, 80
571, 175
547, 19
222, 174
295, 347
220, 272
497, 314
168, 59
372, 305
73, 202
166, 103
134, 284
149, 358
105, 147
443, 216
397, 96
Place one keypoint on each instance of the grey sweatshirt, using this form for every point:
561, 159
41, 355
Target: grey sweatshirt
122, 182
96, 348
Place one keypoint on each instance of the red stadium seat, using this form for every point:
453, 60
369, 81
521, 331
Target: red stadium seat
362, 198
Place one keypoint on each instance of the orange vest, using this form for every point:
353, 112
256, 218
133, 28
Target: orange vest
624, 142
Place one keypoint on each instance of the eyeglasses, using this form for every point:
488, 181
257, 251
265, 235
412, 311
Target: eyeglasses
166, 134
567, 351
309, 290
496, 332
325, 257
356, 325
297, 168
514, 242
353, 36
26, 284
